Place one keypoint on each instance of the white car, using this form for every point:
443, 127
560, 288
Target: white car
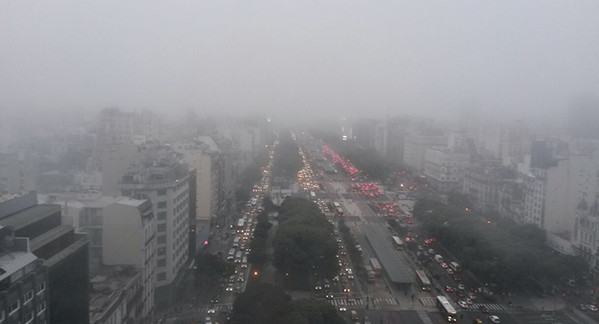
342, 309
211, 311
463, 304
494, 319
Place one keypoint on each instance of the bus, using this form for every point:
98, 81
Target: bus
240, 225
231, 255
455, 266
376, 266
339, 211
447, 309
370, 273
398, 243
422, 279
336, 204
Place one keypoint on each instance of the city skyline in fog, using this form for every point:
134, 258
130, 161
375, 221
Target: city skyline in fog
291, 60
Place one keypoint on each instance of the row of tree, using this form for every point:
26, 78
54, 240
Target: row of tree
257, 255
265, 303
249, 177
304, 243
366, 159
508, 256
287, 161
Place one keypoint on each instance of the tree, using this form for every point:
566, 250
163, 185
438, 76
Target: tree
261, 303
304, 243
265, 303
210, 268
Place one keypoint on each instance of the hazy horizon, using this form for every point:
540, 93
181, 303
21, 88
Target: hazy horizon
513, 59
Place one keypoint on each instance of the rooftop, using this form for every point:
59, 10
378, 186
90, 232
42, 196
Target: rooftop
28, 216
390, 259
106, 288
14, 261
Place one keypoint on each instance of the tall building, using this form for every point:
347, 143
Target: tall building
553, 194
415, 147
204, 157
161, 177
115, 127
122, 235
64, 252
443, 167
23, 281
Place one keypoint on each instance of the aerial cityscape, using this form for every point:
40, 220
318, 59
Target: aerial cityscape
309, 163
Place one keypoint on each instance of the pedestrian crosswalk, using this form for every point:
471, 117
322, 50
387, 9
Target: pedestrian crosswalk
217, 308
345, 302
494, 308
384, 301
376, 302
428, 301
476, 307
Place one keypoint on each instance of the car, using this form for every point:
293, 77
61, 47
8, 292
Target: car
346, 289
448, 288
214, 300
350, 276
444, 265
240, 279
211, 310
457, 278
494, 319
208, 320
229, 287
342, 309
463, 304
583, 307
483, 309
450, 271
461, 287
469, 301
592, 308
366, 320
328, 296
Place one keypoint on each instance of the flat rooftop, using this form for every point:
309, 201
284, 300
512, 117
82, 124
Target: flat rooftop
389, 258
28, 216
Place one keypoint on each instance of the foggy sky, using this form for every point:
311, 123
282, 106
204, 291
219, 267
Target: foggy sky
520, 58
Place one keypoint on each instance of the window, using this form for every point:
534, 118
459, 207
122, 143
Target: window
13, 307
162, 204
41, 307
161, 192
162, 215
41, 287
162, 239
161, 251
161, 227
28, 317
162, 276
28, 296
162, 263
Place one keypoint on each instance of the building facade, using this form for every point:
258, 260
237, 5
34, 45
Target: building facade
164, 180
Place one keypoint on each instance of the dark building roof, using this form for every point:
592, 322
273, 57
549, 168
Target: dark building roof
29, 216
389, 258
